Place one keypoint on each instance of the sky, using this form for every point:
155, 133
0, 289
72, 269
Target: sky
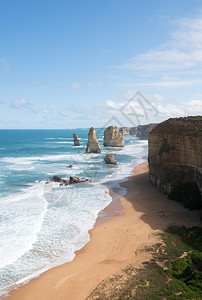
82, 63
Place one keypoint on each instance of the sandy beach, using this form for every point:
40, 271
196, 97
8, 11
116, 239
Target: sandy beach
116, 241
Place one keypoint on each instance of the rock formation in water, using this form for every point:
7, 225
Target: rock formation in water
72, 180
60, 180
76, 140
124, 130
175, 153
93, 145
133, 130
113, 137
109, 159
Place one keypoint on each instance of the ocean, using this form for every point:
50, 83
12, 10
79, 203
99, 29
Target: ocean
42, 225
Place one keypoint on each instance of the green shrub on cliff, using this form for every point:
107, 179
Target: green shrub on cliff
174, 272
188, 194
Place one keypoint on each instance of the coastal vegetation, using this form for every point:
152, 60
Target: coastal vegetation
188, 194
174, 272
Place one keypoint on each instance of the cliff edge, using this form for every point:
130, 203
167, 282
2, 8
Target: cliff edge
175, 153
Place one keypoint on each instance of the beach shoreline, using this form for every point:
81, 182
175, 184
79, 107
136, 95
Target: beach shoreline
114, 243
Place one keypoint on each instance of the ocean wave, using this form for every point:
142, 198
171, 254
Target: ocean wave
25, 222
69, 215
47, 223
59, 157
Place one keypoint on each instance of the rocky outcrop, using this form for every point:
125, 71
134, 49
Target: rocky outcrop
124, 130
93, 145
175, 153
72, 180
60, 180
76, 140
109, 159
133, 130
113, 137
144, 130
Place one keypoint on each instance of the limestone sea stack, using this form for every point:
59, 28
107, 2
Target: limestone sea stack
93, 145
109, 159
113, 137
76, 140
124, 130
175, 153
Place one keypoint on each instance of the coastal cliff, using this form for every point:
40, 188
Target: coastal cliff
124, 130
144, 130
175, 153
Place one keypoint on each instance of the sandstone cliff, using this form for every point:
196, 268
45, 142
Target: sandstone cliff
133, 130
144, 130
113, 137
124, 130
175, 153
76, 140
93, 145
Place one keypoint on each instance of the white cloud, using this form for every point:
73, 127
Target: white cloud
187, 108
46, 110
76, 85
172, 83
19, 103
181, 53
164, 110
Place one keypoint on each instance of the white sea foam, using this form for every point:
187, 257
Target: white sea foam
24, 223
32, 159
61, 226
46, 223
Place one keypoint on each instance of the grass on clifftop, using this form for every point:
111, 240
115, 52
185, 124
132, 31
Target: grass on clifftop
191, 118
175, 272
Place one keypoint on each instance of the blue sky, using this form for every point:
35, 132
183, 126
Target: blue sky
67, 64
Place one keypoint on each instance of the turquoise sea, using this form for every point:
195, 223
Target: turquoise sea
42, 225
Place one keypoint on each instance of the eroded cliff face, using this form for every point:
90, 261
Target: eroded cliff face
144, 130
175, 153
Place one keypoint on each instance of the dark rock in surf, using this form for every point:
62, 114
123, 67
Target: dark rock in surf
109, 159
